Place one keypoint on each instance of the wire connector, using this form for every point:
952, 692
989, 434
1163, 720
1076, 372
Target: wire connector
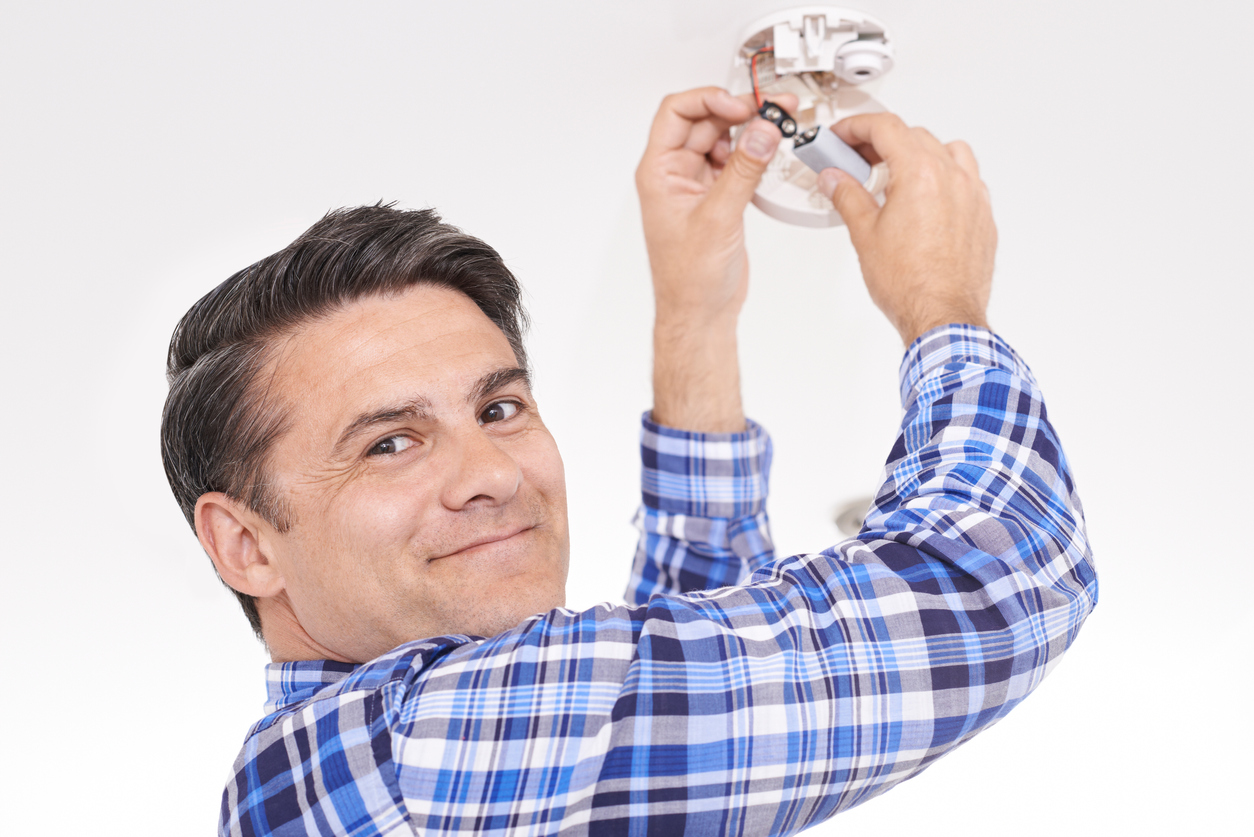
776, 115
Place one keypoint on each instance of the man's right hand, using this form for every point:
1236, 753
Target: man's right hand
927, 254
693, 192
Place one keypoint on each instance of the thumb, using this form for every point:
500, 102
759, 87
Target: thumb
755, 148
854, 203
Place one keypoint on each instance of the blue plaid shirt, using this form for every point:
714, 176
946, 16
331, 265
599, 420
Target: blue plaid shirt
736, 693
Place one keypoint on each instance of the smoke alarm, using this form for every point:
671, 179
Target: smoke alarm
825, 57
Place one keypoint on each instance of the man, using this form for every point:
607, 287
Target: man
351, 432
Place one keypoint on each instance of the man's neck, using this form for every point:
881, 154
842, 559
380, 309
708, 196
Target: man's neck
286, 639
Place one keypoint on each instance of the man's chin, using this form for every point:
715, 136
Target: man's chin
526, 602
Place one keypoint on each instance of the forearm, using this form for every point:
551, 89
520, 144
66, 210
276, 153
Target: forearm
979, 487
696, 374
693, 193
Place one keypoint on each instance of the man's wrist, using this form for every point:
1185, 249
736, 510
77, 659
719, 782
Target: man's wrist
695, 320
696, 375
912, 331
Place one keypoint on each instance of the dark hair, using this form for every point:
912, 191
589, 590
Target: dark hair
220, 422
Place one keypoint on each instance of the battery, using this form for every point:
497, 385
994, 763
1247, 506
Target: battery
820, 149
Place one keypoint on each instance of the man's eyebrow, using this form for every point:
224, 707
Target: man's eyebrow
499, 379
418, 408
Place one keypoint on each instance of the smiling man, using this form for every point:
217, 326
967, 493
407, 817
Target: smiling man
351, 432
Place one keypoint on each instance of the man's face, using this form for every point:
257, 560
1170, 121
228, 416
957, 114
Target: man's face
427, 494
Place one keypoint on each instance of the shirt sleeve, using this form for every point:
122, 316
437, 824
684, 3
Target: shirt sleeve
703, 521
760, 708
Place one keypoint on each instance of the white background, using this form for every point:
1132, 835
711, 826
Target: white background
151, 149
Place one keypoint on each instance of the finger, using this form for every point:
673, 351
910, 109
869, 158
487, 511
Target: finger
867, 152
755, 147
721, 151
787, 101
884, 133
854, 203
927, 139
680, 112
964, 157
706, 133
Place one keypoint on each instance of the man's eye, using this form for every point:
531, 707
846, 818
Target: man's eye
498, 411
391, 445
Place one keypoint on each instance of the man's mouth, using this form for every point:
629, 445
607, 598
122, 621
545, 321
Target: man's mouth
486, 543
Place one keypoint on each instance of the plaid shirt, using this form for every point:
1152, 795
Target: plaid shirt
807, 686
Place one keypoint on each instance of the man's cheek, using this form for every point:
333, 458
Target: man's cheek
544, 466
377, 518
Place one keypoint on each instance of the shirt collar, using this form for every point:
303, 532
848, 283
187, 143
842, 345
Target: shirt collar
288, 683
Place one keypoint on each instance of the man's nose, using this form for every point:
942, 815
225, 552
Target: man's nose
477, 470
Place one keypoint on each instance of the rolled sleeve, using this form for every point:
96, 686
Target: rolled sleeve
703, 522
721, 475
941, 349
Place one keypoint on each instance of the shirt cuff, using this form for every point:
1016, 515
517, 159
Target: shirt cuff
955, 344
704, 474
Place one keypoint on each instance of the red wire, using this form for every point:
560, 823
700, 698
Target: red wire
753, 66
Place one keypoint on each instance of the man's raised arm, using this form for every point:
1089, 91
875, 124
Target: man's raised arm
707, 528
693, 193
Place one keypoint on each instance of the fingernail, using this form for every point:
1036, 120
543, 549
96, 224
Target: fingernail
760, 142
829, 179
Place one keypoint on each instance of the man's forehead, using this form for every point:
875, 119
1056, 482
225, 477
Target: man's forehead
424, 323
427, 345
421, 314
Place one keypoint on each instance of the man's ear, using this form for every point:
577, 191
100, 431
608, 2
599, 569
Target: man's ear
233, 535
